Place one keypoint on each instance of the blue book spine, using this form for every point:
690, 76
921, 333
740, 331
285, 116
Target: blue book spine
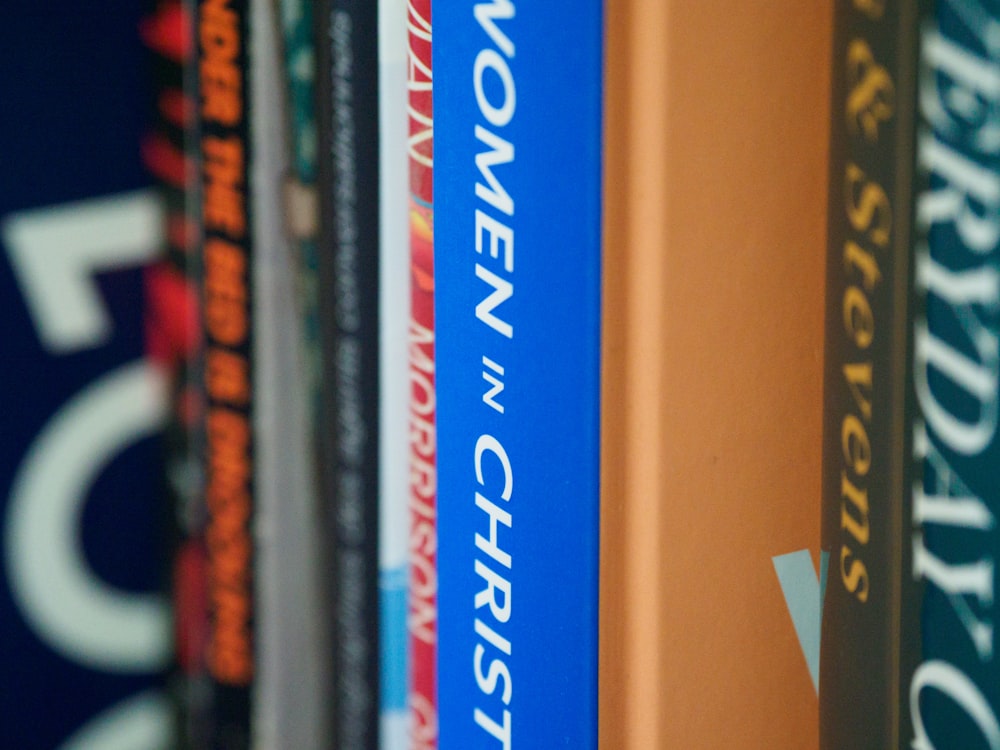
517, 186
952, 694
84, 633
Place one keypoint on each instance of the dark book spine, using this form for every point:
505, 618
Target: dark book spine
174, 339
866, 433
85, 630
951, 691
226, 254
348, 263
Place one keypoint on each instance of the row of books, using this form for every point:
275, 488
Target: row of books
462, 378
579, 171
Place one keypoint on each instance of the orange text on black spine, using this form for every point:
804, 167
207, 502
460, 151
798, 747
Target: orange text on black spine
226, 299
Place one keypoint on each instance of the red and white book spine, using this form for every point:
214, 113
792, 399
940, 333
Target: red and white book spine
422, 615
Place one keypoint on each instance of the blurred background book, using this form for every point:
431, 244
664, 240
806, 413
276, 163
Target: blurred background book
84, 625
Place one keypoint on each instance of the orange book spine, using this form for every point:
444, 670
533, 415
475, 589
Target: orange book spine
715, 195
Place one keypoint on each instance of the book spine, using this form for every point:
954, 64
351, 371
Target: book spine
422, 620
866, 438
226, 254
394, 312
292, 705
174, 339
348, 185
299, 58
85, 627
951, 692
423, 584
518, 118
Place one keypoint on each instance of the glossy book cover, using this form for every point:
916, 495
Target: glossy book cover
517, 264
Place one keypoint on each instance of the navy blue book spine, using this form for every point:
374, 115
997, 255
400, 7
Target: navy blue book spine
84, 631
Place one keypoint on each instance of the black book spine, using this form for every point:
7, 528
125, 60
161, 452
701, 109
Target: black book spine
226, 254
866, 466
348, 262
174, 340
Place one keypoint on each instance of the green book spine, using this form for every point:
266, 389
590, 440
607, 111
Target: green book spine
950, 691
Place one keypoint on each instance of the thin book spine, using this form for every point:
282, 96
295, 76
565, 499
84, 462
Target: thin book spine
423, 587
226, 254
299, 66
394, 316
866, 438
174, 339
348, 262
